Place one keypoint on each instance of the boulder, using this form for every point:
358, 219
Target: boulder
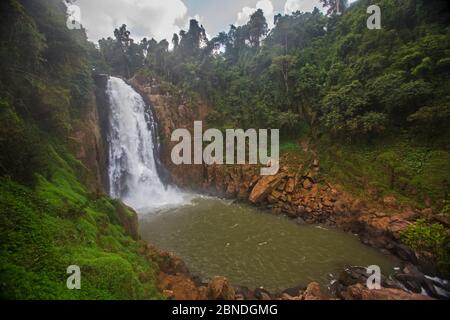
361, 292
313, 292
265, 186
220, 289
294, 291
354, 275
178, 287
262, 294
245, 293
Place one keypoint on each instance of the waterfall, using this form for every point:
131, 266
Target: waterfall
133, 151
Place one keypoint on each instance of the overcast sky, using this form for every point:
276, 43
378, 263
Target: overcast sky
161, 18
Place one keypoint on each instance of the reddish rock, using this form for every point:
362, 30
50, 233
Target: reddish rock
177, 287
265, 186
220, 289
361, 292
290, 186
390, 200
307, 184
313, 292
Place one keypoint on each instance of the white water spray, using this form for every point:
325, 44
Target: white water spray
133, 175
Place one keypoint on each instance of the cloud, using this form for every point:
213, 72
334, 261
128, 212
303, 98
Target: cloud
301, 5
266, 5
144, 18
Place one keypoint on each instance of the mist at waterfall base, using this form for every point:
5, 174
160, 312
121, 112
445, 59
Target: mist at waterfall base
132, 154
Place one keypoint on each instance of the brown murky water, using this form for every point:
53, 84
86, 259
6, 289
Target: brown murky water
254, 248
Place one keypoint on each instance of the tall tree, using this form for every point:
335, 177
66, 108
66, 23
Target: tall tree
194, 39
257, 28
335, 7
175, 41
123, 40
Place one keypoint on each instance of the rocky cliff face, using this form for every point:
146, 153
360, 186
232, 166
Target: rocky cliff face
87, 139
173, 111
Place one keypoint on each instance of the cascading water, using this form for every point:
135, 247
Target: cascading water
132, 140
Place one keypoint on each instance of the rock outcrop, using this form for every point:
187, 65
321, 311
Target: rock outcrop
173, 111
87, 145
220, 289
361, 292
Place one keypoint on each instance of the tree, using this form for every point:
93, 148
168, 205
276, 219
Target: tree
256, 28
282, 65
175, 41
193, 40
335, 7
123, 40
124, 55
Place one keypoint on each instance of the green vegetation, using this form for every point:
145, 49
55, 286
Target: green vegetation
374, 106
43, 231
48, 218
414, 172
432, 238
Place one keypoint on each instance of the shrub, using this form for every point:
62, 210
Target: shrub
433, 238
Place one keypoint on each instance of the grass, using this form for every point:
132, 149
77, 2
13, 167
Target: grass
433, 238
57, 224
412, 172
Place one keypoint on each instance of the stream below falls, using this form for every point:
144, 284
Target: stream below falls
254, 248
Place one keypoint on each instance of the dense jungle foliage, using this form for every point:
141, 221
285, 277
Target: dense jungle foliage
373, 104
49, 219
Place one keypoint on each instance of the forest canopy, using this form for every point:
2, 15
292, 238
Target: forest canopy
314, 70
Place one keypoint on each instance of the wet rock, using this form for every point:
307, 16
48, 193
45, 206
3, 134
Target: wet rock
410, 282
271, 199
285, 296
361, 292
428, 285
313, 292
405, 253
244, 292
220, 289
262, 294
354, 275
294, 291
300, 221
